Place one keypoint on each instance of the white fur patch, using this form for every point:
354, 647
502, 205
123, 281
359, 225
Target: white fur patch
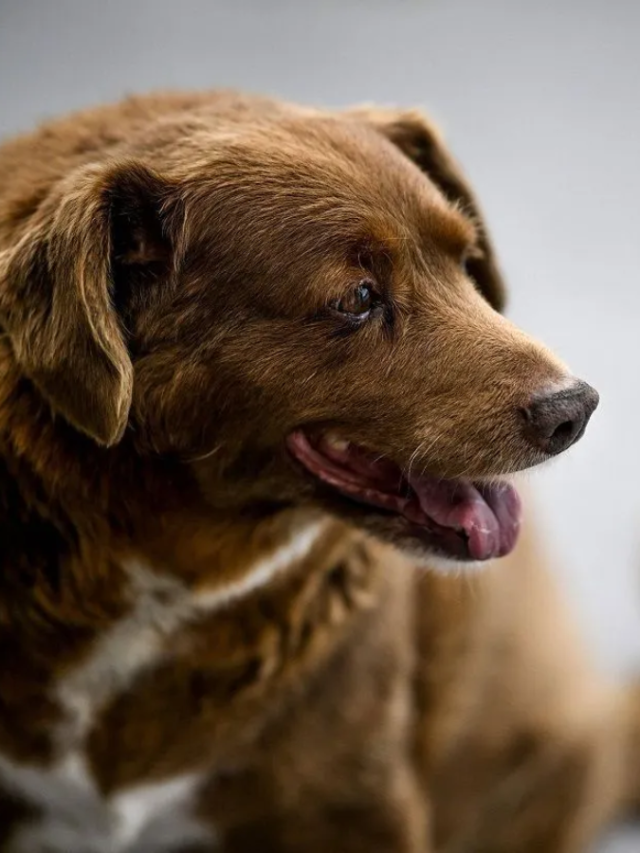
264, 570
74, 817
159, 816
451, 566
161, 606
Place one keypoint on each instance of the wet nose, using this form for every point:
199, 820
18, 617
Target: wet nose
555, 421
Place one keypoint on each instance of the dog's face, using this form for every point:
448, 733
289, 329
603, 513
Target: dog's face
311, 310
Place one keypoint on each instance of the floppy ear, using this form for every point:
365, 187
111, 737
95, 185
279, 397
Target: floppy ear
56, 294
421, 142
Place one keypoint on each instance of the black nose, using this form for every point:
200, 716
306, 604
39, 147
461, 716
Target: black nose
556, 421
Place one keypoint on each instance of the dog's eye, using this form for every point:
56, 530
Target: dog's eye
359, 301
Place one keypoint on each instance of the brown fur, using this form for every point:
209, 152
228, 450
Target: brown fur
165, 269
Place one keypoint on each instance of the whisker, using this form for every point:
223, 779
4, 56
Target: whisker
205, 455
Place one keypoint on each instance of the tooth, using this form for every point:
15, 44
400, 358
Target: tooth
336, 442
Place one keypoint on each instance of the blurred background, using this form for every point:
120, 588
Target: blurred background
541, 103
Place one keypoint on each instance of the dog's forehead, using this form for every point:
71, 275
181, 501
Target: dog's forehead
372, 168
330, 177
336, 152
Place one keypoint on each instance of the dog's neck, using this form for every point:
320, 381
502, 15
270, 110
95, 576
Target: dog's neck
227, 554
136, 512
88, 576
88, 503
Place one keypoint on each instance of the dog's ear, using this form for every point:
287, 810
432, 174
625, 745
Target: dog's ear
421, 141
56, 292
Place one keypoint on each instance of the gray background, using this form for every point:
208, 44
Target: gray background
541, 102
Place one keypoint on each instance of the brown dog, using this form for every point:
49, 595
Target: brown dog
252, 374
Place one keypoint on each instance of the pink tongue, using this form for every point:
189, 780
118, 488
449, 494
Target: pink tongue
488, 515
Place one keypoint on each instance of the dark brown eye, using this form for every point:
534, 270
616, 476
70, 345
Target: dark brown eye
359, 301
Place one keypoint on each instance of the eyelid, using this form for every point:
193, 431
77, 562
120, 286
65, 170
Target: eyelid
366, 261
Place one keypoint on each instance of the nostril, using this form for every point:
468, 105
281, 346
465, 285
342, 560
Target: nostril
563, 432
553, 422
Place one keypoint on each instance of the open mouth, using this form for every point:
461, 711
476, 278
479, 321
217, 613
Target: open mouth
460, 519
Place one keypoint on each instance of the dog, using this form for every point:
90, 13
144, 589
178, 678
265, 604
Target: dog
257, 396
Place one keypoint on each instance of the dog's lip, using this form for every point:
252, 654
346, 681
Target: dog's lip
457, 518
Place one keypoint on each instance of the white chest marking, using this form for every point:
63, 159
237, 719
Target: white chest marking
161, 606
74, 817
160, 816
263, 571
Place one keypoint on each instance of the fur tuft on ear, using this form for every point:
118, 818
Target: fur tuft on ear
421, 141
56, 301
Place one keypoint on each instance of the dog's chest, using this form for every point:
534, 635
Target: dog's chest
70, 815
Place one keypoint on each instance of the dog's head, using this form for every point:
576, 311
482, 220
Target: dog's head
303, 309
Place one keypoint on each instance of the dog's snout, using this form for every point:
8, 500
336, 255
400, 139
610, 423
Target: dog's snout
557, 420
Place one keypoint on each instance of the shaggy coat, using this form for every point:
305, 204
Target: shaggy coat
215, 634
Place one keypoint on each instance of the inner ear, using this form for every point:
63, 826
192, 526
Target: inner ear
142, 249
138, 235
